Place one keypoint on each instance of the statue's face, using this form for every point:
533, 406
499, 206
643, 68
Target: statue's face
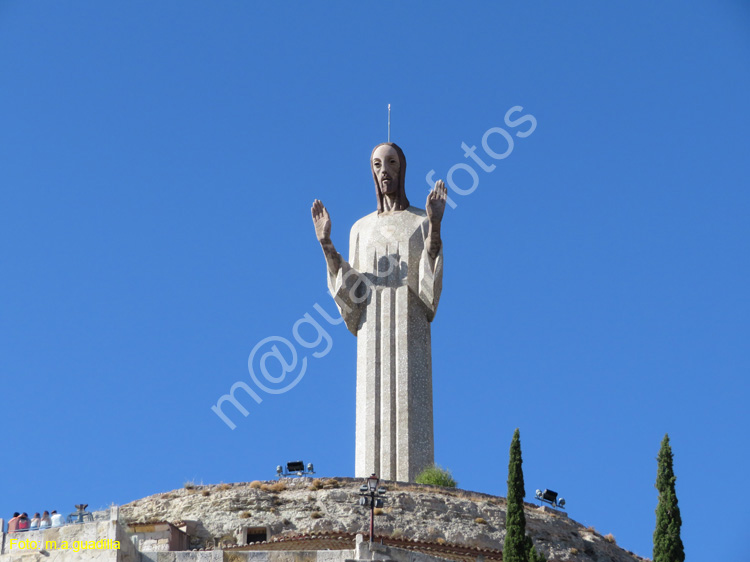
386, 167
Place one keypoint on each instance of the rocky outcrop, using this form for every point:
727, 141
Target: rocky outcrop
426, 513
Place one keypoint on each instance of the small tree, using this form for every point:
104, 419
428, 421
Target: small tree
667, 542
517, 547
437, 477
534, 554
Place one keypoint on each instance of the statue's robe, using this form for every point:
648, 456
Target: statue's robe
388, 294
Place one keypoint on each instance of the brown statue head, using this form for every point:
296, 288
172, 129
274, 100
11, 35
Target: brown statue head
388, 165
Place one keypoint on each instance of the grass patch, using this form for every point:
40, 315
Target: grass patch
275, 487
255, 484
610, 538
316, 515
324, 484
450, 492
480, 521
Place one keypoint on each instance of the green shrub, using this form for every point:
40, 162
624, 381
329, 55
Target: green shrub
437, 476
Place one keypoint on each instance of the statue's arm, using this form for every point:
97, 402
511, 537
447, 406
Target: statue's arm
430, 280
435, 207
322, 222
431, 263
434, 243
333, 258
347, 286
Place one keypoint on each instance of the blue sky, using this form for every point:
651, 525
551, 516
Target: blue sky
158, 162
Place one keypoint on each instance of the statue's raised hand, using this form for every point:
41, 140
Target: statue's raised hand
322, 221
435, 205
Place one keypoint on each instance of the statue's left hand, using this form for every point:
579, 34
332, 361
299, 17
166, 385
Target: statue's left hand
435, 205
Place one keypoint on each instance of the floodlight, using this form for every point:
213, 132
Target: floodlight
363, 489
381, 491
310, 467
549, 495
561, 502
279, 470
295, 466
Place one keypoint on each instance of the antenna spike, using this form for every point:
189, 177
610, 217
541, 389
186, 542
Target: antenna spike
389, 122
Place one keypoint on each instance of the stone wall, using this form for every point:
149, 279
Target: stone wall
158, 537
32, 546
251, 556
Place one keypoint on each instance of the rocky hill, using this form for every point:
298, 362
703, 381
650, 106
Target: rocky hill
426, 513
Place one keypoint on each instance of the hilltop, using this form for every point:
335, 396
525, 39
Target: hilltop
419, 512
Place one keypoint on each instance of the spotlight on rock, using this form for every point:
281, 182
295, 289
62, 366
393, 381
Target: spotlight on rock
294, 468
550, 497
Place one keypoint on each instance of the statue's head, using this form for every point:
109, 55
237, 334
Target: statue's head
388, 165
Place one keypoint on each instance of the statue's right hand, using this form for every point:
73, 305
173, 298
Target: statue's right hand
322, 221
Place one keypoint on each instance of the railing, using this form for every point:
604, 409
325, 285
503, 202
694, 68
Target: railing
72, 519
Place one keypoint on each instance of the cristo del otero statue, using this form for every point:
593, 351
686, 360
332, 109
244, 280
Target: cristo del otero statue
388, 294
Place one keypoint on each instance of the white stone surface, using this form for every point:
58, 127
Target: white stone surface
388, 293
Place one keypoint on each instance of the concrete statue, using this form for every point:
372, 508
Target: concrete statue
388, 294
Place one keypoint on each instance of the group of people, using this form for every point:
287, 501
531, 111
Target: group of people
21, 522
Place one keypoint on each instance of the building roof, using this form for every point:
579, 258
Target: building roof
344, 541
149, 526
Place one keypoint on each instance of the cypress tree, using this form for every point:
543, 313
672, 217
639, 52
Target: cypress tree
534, 554
667, 542
517, 546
